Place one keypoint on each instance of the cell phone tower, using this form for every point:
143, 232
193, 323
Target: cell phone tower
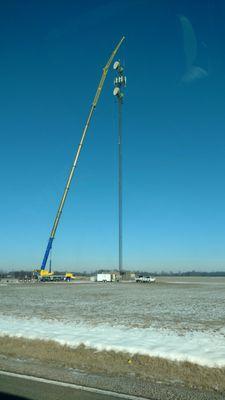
120, 83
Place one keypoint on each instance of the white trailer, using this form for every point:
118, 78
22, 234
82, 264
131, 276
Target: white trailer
104, 277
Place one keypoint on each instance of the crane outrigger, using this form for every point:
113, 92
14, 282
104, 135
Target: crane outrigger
43, 272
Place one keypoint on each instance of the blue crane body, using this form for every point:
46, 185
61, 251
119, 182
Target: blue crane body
47, 251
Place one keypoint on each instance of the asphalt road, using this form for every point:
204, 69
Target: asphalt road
16, 388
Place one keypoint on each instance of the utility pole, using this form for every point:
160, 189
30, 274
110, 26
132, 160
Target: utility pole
120, 83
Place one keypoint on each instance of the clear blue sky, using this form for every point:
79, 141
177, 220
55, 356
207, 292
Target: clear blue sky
52, 54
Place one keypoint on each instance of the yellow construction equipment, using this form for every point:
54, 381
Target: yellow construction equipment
69, 276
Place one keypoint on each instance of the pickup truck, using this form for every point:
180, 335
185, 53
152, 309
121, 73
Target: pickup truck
144, 279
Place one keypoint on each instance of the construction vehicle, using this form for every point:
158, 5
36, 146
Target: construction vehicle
69, 276
42, 271
51, 277
43, 274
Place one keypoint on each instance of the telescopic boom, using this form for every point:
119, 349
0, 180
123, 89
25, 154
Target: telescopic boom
68, 182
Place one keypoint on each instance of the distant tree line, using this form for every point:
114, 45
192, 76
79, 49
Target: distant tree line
185, 273
23, 274
17, 274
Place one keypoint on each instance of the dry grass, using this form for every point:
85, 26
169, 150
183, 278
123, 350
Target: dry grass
115, 364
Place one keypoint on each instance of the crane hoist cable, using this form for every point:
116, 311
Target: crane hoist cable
69, 179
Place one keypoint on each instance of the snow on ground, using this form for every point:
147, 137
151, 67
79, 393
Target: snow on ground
204, 348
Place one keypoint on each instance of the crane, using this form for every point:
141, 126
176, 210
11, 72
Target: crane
43, 271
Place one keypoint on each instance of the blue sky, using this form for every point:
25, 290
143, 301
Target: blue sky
52, 54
